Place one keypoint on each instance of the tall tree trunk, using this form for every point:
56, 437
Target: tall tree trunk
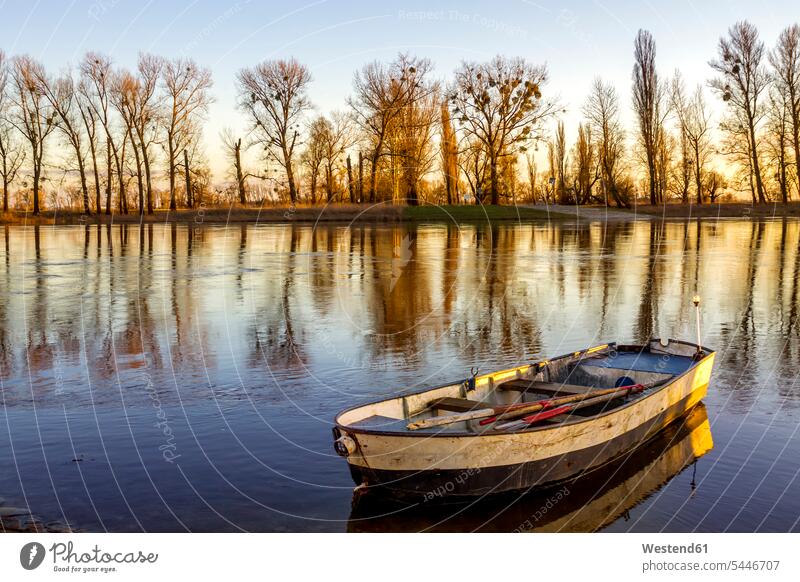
139, 181
313, 188
147, 180
782, 173
119, 158
35, 194
360, 177
752, 184
329, 183
796, 144
93, 151
651, 168
189, 197
413, 198
84, 188
5, 193
350, 185
290, 178
239, 175
493, 180
448, 187
756, 166
37, 169
697, 176
171, 155
373, 176
109, 174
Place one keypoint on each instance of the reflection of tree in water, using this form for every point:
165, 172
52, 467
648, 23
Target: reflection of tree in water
648, 306
788, 258
276, 344
457, 295
6, 331
188, 339
610, 255
744, 357
39, 351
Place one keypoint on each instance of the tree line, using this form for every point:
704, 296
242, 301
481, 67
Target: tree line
675, 140
103, 137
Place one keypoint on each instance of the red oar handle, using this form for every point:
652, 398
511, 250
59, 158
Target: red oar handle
545, 414
544, 404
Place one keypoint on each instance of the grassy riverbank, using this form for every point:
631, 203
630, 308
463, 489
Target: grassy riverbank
383, 213
726, 210
339, 213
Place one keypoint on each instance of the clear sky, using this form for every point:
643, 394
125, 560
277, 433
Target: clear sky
577, 40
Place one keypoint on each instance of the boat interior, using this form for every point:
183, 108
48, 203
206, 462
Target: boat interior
601, 367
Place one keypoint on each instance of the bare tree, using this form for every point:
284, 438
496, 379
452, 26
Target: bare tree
560, 154
124, 98
474, 163
532, 175
328, 139
550, 188
602, 112
193, 166
383, 93
275, 94
339, 139
714, 184
500, 103
92, 133
64, 101
32, 115
410, 142
694, 123
785, 61
778, 139
648, 103
12, 154
187, 98
234, 146
314, 154
736, 146
449, 155
587, 171
741, 82
136, 98
96, 86
351, 187
664, 154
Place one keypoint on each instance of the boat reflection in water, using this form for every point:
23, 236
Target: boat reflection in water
588, 503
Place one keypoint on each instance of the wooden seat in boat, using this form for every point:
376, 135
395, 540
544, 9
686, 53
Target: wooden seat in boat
545, 387
456, 404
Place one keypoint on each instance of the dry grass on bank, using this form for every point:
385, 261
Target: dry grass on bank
339, 213
386, 213
363, 213
723, 210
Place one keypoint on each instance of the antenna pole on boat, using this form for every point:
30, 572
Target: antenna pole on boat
696, 301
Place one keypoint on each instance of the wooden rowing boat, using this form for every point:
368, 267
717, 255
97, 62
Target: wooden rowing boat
391, 447
588, 503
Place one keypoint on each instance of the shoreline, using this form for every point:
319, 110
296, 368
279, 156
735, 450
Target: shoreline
388, 214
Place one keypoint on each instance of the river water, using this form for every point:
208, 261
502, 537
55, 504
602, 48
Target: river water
171, 378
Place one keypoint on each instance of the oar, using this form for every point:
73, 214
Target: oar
471, 415
557, 402
519, 409
550, 413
